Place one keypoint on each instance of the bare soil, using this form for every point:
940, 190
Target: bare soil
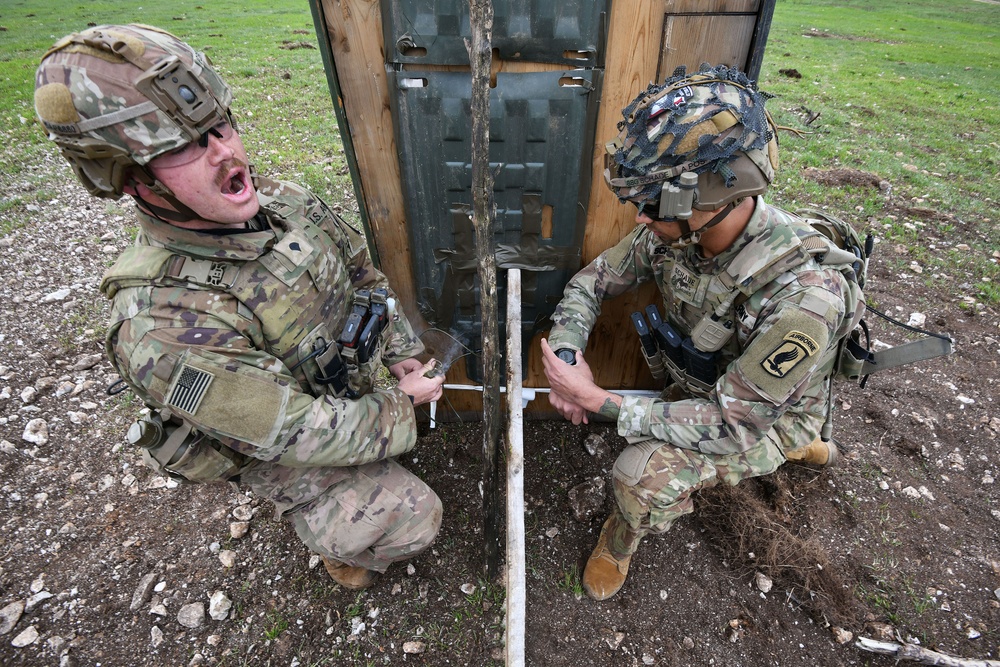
900, 540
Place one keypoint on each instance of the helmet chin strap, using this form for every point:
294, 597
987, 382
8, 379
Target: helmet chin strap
693, 238
179, 212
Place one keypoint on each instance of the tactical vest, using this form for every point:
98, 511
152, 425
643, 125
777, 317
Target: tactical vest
291, 302
695, 356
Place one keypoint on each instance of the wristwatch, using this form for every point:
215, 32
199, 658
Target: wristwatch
567, 355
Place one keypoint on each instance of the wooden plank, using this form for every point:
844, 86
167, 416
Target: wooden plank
692, 40
711, 6
354, 29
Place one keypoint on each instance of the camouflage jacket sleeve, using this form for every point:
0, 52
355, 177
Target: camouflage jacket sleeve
614, 272
213, 378
776, 385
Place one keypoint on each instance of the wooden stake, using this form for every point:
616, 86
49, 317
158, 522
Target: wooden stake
481, 59
921, 655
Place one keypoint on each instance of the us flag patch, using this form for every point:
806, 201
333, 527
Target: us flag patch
190, 389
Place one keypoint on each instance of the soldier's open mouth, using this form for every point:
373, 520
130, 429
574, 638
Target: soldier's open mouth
235, 185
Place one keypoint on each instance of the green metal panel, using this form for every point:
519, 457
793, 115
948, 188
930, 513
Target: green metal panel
569, 32
541, 137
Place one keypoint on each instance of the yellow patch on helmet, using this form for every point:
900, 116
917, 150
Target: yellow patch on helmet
689, 142
54, 104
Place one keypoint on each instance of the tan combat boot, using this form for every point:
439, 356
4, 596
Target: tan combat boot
349, 576
605, 574
816, 453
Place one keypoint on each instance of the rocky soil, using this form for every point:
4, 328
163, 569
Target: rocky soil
103, 562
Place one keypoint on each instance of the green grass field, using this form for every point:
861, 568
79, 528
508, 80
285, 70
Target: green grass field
907, 91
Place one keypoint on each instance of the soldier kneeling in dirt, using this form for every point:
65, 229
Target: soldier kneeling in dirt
248, 316
757, 303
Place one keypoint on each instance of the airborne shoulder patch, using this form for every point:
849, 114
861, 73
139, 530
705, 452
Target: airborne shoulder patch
794, 348
190, 389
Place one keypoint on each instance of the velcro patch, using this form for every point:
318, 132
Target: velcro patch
795, 348
781, 357
190, 389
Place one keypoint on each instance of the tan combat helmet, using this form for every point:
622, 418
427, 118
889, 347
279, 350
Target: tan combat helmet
706, 134
115, 97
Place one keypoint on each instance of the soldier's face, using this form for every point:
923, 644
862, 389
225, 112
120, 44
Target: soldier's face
671, 231
216, 184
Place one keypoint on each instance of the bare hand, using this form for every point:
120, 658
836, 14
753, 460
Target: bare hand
568, 409
420, 388
405, 366
574, 387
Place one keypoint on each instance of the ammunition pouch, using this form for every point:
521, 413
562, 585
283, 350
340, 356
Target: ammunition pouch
175, 450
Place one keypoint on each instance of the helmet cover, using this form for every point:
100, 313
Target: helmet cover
115, 97
712, 123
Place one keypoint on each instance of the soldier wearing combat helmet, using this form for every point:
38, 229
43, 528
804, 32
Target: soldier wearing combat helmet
248, 316
746, 339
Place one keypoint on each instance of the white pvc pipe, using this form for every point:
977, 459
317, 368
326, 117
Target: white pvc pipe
516, 589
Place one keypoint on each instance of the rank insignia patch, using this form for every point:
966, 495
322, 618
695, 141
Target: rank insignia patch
190, 389
795, 348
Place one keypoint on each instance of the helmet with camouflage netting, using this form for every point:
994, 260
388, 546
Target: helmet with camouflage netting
114, 97
711, 125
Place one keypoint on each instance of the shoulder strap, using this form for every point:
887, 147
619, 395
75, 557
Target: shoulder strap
148, 265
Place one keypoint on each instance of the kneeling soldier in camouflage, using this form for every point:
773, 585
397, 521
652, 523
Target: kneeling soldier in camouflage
757, 302
248, 316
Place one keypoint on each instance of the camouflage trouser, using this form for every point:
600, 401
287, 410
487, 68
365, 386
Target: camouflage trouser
651, 497
368, 516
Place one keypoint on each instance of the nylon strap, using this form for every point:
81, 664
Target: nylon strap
917, 350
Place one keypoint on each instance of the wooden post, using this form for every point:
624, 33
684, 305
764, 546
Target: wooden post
516, 585
481, 60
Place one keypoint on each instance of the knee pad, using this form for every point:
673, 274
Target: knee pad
631, 463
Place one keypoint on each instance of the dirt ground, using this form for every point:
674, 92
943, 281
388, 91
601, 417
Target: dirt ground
104, 563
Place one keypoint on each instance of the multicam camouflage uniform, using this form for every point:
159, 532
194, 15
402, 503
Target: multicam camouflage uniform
218, 328
759, 406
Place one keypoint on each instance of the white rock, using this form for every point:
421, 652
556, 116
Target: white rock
213, 640
926, 493
35, 599
155, 636
410, 569
77, 417
219, 606
973, 634
28, 395
36, 432
238, 529
65, 388
38, 584
842, 636
227, 558
58, 295
27, 637
143, 591
764, 582
87, 361
965, 400
7, 447
468, 589
191, 615
243, 512
414, 647
11, 614
910, 492
314, 561
917, 320
158, 610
